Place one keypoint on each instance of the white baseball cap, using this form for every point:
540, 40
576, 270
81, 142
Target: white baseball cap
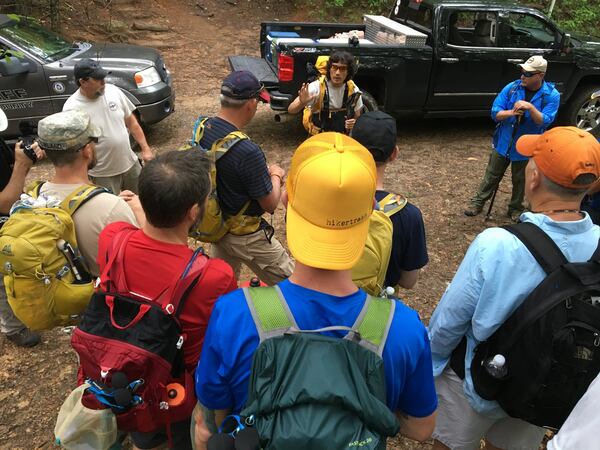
536, 63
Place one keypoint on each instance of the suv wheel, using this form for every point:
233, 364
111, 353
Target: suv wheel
583, 111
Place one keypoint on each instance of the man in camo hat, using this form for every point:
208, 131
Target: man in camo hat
68, 138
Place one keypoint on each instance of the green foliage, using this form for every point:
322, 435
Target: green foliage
578, 15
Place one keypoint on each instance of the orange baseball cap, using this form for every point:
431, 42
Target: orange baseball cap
331, 187
562, 154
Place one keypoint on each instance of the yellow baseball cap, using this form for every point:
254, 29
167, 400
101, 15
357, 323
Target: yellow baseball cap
331, 187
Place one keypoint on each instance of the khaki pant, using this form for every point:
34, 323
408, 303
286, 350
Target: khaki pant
459, 427
9, 324
124, 181
494, 172
269, 261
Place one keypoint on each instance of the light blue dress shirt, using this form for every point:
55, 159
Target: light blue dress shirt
495, 276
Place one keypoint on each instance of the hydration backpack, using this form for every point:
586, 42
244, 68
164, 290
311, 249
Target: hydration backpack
130, 347
369, 272
214, 223
551, 343
312, 391
46, 279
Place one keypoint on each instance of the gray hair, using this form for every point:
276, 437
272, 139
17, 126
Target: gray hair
585, 179
235, 103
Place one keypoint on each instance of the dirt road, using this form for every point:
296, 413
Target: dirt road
439, 167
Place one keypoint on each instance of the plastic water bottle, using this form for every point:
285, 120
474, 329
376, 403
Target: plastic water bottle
496, 366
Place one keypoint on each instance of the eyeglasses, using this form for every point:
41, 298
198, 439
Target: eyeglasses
527, 74
339, 67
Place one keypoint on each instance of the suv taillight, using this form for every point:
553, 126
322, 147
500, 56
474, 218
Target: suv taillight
286, 68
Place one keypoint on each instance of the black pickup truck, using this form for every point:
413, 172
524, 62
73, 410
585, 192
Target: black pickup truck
437, 58
36, 74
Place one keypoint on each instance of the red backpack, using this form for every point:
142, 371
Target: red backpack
130, 347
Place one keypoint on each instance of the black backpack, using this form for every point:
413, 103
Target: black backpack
551, 343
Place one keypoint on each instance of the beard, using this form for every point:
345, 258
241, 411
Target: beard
92, 162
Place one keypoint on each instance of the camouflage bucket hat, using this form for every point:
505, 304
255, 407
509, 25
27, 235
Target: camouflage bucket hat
66, 131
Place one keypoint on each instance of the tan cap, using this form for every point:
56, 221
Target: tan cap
536, 63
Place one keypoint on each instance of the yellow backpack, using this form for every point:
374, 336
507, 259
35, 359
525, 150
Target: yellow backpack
45, 285
317, 108
369, 272
214, 223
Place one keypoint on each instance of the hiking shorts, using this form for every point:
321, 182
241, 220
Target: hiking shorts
460, 427
180, 436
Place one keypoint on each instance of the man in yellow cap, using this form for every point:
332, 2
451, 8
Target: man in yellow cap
495, 278
331, 186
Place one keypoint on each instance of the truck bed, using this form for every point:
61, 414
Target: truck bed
306, 41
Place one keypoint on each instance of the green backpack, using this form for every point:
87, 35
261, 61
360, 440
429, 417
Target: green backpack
309, 391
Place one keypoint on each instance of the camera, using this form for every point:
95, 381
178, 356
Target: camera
28, 150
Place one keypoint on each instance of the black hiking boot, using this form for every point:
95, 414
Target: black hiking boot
24, 338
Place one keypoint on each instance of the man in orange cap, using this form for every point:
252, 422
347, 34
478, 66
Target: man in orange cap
331, 186
496, 276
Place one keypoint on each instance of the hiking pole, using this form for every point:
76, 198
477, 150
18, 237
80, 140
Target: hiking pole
512, 140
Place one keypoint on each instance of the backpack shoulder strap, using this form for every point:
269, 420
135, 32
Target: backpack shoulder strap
174, 297
542, 247
34, 188
374, 322
270, 312
79, 196
198, 131
596, 255
223, 145
324, 96
391, 204
115, 280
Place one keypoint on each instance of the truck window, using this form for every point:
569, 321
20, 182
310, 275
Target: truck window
414, 13
27, 34
521, 30
472, 29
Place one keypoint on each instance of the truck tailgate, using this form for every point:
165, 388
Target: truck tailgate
258, 66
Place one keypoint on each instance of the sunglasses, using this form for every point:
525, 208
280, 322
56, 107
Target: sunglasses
527, 74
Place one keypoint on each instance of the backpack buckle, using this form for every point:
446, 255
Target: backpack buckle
179, 343
170, 309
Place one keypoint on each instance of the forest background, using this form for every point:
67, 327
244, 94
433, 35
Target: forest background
574, 15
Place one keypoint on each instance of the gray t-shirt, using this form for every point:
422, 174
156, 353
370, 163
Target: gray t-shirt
108, 112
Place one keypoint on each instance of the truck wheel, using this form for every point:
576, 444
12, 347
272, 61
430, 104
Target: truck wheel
369, 102
583, 112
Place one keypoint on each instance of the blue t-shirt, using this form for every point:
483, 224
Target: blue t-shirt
409, 247
231, 339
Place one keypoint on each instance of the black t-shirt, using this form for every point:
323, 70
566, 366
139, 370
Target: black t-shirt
409, 246
242, 173
529, 94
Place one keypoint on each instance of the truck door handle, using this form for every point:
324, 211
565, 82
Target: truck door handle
449, 60
515, 61
57, 77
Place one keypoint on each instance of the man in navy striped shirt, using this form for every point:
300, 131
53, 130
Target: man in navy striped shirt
245, 181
